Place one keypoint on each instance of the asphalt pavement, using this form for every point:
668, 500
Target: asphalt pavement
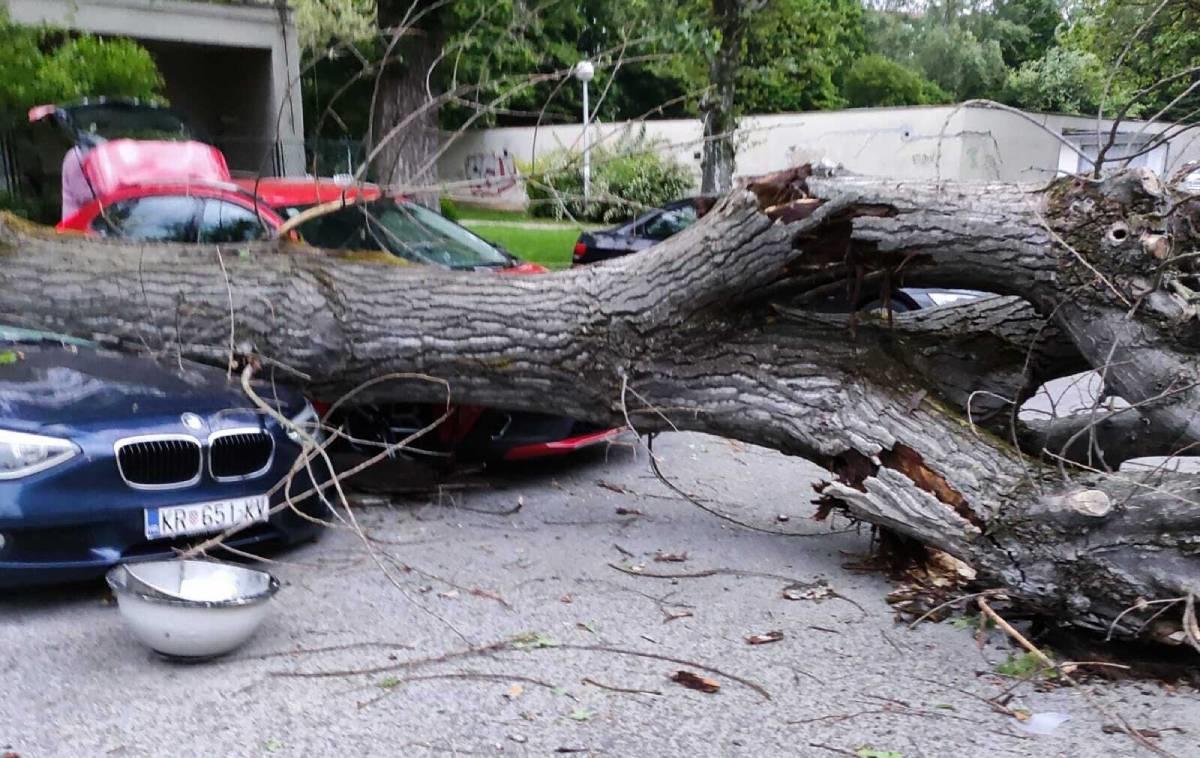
374, 645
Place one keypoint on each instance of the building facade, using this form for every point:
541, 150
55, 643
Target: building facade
232, 69
967, 144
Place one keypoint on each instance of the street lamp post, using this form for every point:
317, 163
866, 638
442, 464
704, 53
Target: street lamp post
584, 71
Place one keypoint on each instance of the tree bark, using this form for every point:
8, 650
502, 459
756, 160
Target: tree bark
409, 157
717, 109
714, 331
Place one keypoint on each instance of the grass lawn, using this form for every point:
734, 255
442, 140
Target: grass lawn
475, 213
550, 246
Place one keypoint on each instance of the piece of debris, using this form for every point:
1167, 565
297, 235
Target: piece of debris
480, 592
520, 739
610, 486
566, 599
783, 518
514, 692
695, 681
763, 639
671, 557
674, 615
1151, 734
818, 590
622, 551
1043, 723
363, 500
448, 594
628, 512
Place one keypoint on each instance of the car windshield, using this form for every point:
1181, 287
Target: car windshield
126, 120
406, 229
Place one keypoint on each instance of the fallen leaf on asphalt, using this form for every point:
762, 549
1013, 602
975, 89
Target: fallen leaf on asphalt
817, 590
671, 557
581, 714
762, 639
869, 752
610, 486
628, 512
533, 641
449, 594
478, 592
673, 615
695, 681
514, 692
566, 599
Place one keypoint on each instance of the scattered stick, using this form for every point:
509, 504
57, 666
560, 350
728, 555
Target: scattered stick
670, 659
612, 688
1045, 659
732, 572
392, 686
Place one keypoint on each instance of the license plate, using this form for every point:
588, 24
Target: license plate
204, 518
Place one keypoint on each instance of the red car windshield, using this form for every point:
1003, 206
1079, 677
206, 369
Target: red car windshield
405, 229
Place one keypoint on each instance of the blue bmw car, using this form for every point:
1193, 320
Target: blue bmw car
108, 457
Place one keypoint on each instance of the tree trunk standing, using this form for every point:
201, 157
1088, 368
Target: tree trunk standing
712, 331
409, 158
717, 109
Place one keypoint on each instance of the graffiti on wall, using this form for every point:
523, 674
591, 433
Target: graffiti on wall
490, 174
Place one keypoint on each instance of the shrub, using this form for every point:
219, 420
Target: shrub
877, 81
1066, 81
626, 179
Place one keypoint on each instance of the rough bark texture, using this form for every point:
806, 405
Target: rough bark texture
409, 157
717, 109
713, 330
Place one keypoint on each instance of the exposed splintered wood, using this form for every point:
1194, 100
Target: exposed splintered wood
716, 330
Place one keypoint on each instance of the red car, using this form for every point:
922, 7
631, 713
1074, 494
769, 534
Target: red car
182, 192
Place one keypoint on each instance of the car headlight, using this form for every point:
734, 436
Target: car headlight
309, 421
23, 454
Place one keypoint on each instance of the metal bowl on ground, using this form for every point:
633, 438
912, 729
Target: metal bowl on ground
192, 609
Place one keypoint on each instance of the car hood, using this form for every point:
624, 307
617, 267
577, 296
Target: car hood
52, 385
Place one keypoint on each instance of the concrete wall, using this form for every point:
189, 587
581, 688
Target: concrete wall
967, 144
232, 68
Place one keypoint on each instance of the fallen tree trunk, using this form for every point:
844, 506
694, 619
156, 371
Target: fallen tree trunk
714, 331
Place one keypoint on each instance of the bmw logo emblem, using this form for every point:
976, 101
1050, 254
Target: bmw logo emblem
192, 421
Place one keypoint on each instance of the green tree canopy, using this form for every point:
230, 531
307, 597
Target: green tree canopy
43, 65
1064, 80
874, 80
1167, 49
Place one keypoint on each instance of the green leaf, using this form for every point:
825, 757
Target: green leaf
389, 682
533, 641
7, 357
870, 752
1025, 666
583, 714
